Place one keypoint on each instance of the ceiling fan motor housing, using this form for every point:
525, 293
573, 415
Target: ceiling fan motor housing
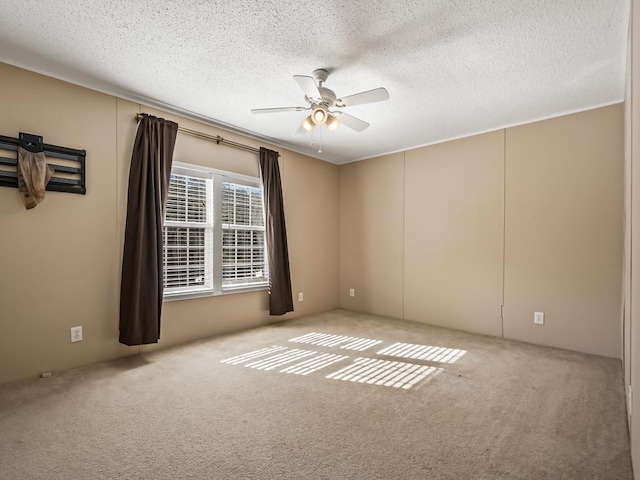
328, 96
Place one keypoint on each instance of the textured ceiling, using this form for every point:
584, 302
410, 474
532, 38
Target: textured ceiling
452, 67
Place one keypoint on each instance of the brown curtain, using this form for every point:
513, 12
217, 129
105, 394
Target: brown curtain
142, 282
280, 298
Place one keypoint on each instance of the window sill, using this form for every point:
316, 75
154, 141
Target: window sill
209, 293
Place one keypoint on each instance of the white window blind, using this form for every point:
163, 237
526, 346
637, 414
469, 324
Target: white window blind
188, 234
213, 233
243, 252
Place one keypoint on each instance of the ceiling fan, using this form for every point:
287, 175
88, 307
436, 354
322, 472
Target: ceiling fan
323, 103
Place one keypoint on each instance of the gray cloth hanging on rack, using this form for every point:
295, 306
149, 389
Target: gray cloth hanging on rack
33, 176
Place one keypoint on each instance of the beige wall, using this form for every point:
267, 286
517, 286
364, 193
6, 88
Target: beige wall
311, 196
62, 259
371, 235
454, 196
532, 215
564, 231
632, 259
58, 268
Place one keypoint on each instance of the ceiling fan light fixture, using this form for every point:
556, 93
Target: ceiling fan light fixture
320, 102
307, 124
332, 123
319, 116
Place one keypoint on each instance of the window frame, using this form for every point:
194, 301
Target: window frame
218, 177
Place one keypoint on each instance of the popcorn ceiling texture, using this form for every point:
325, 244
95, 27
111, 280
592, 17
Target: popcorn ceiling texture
452, 67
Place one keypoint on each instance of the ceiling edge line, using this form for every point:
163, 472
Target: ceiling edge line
481, 132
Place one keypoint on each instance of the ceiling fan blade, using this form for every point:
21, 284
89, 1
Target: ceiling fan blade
279, 109
351, 121
370, 96
308, 86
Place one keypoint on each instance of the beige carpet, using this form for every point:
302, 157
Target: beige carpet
473, 408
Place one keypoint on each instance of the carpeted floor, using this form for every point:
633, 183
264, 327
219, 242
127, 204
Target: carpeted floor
354, 397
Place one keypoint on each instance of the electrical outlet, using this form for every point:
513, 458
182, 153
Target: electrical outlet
76, 334
300, 296
538, 318
352, 292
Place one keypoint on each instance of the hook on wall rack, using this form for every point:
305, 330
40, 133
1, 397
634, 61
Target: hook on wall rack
69, 177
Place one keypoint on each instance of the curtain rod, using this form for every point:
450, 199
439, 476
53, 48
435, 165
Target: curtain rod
214, 138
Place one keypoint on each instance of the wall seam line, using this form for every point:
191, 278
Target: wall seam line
630, 216
117, 239
504, 224
404, 225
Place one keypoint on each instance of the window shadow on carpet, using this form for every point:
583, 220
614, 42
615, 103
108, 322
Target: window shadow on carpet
370, 370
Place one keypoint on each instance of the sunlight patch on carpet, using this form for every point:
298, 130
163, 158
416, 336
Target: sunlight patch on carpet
274, 357
280, 359
314, 364
385, 373
366, 370
423, 352
252, 355
329, 340
269, 358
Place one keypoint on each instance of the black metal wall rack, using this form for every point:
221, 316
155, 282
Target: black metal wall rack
73, 172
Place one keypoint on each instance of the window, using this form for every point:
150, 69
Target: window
213, 233
243, 255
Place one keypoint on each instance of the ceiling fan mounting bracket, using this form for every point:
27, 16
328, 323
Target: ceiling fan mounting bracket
320, 75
